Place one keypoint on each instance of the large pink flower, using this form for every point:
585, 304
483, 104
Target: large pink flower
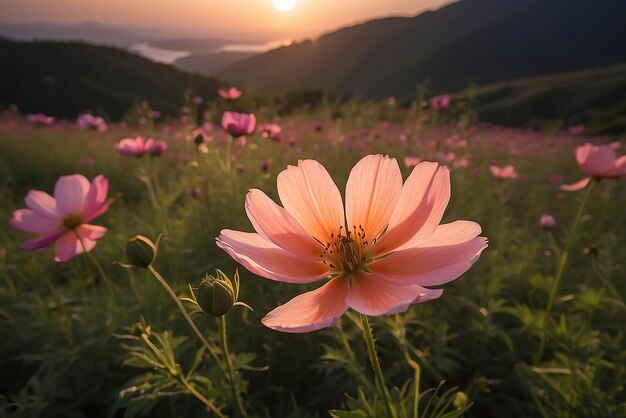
238, 124
64, 219
597, 162
376, 257
134, 147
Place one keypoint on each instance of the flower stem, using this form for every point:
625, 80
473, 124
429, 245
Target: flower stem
378, 373
201, 398
229, 164
182, 309
560, 269
229, 366
105, 277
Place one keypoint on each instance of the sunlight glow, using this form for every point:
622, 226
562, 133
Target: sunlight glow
284, 5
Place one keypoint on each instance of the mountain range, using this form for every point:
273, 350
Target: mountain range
471, 41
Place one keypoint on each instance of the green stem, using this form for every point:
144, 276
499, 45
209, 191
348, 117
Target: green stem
231, 369
229, 164
97, 265
560, 270
182, 309
201, 398
378, 373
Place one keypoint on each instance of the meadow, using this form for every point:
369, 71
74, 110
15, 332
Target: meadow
534, 328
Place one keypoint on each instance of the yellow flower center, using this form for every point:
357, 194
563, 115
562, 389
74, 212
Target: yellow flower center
71, 221
348, 251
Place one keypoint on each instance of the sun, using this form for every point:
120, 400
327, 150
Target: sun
284, 5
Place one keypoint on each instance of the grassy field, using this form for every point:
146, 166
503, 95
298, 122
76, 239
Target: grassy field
70, 343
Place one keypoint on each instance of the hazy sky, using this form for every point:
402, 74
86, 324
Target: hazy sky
308, 18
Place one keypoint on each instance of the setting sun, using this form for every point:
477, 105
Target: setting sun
284, 5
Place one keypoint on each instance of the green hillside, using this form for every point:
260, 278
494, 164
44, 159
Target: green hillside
596, 98
64, 79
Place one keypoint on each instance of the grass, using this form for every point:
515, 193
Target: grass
67, 340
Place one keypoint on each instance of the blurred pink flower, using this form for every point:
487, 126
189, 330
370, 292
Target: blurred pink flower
461, 164
265, 165
503, 173
198, 100
89, 121
195, 192
64, 219
231, 93
597, 162
377, 255
40, 119
158, 148
411, 161
238, 124
576, 130
89, 162
440, 102
547, 221
269, 130
134, 147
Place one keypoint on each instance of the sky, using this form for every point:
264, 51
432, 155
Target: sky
209, 18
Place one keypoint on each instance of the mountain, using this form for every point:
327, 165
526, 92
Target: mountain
64, 79
208, 64
595, 98
479, 41
194, 46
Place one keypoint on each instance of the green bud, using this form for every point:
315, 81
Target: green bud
460, 400
141, 251
216, 295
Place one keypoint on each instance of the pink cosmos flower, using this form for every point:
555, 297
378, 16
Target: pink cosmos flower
158, 148
238, 124
503, 173
134, 147
547, 221
269, 130
597, 162
576, 129
378, 257
90, 121
231, 93
440, 102
40, 119
411, 161
64, 218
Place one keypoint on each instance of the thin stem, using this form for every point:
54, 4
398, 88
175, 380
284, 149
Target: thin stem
229, 366
96, 264
201, 398
229, 164
378, 373
560, 270
182, 309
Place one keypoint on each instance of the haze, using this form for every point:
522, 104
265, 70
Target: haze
207, 18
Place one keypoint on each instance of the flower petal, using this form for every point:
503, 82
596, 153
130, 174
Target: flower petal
42, 203
595, 161
43, 241
373, 296
70, 193
419, 210
575, 186
67, 246
448, 253
276, 225
372, 192
30, 221
310, 311
619, 168
267, 260
309, 194
95, 202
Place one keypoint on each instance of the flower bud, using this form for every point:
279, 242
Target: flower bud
141, 251
460, 400
216, 295
547, 221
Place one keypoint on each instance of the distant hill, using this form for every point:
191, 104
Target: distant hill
480, 41
64, 79
595, 98
195, 46
208, 64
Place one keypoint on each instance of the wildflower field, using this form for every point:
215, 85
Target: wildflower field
506, 300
